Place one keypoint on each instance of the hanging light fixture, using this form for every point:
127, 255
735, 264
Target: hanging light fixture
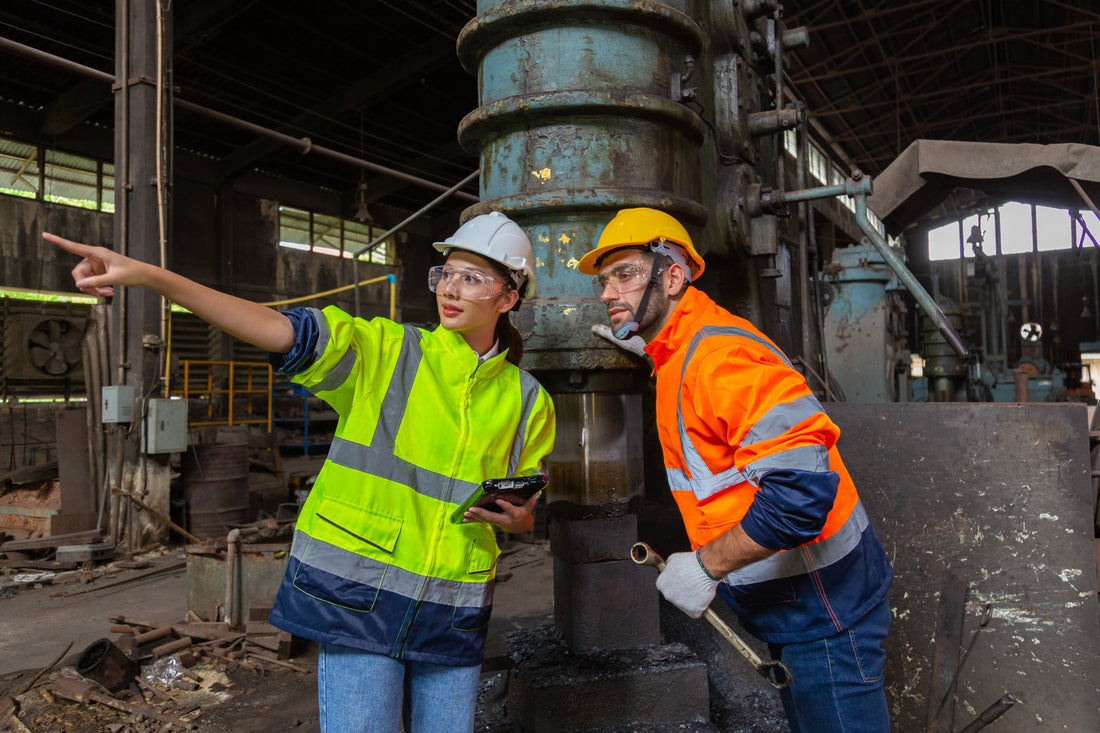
362, 214
975, 235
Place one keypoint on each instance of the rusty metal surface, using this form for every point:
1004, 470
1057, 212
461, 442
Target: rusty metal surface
605, 605
597, 456
260, 572
599, 539
215, 485
565, 144
1000, 495
108, 665
862, 325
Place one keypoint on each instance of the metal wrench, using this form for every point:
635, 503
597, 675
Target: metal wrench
775, 672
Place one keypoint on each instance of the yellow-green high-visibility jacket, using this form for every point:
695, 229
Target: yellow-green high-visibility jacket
376, 563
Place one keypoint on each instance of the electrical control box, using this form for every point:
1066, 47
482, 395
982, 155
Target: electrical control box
165, 427
117, 403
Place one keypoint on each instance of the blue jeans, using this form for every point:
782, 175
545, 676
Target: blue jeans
837, 682
361, 692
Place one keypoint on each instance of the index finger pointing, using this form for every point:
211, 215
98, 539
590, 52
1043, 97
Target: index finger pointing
67, 244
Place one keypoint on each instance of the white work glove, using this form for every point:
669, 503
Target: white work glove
635, 344
685, 584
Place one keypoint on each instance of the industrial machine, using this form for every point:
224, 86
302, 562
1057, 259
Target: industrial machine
594, 106
1008, 362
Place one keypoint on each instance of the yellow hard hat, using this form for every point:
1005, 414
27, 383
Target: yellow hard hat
638, 228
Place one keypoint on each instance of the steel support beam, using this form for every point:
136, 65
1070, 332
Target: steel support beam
138, 232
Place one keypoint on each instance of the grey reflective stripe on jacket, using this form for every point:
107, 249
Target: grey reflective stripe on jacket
379, 460
529, 395
803, 559
778, 420
366, 571
703, 483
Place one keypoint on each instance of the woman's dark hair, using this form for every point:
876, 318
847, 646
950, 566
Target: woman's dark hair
507, 334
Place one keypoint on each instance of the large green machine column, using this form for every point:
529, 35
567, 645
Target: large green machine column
580, 117
578, 120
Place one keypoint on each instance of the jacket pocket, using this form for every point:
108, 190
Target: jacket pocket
347, 568
481, 561
482, 556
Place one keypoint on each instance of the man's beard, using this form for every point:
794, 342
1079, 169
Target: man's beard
654, 309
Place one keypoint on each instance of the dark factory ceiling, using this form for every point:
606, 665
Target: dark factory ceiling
879, 75
382, 77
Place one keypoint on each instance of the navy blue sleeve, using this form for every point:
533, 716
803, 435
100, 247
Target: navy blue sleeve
306, 331
790, 508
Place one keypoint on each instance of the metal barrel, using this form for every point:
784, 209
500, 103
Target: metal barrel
215, 487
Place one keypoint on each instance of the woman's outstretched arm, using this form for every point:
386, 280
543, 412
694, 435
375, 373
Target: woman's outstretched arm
102, 269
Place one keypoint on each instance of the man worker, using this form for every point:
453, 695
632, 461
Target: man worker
776, 526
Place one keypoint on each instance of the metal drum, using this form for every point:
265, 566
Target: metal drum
215, 487
108, 665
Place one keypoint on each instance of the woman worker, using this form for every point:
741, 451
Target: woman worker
398, 595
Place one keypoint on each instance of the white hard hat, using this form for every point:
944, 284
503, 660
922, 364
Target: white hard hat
496, 237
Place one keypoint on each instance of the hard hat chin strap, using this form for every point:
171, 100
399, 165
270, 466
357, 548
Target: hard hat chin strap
632, 327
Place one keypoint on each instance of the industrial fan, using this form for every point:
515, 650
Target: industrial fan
42, 346
55, 346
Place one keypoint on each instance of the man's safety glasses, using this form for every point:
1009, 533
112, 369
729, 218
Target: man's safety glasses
624, 277
469, 284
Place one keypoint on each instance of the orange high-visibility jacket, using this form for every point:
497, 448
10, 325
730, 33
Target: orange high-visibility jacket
746, 441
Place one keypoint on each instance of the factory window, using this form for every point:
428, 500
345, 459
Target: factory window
330, 235
1054, 229
1015, 229
68, 179
71, 180
19, 168
790, 142
828, 175
819, 164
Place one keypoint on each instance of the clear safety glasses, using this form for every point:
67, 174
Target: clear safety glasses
623, 277
469, 284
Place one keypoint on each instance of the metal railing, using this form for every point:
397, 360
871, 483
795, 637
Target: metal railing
232, 388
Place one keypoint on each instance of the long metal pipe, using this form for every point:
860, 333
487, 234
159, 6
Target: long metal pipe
1002, 284
777, 33
907, 278
806, 213
859, 187
122, 206
232, 545
303, 144
397, 227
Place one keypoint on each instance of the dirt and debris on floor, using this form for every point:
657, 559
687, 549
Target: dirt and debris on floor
213, 695
197, 673
143, 672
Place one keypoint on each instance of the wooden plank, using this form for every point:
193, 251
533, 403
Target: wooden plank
28, 511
